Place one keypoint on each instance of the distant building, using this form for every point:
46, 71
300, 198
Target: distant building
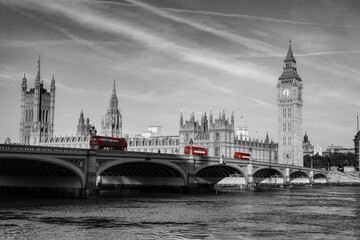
111, 123
308, 148
111, 126
153, 131
83, 128
317, 150
37, 111
337, 149
242, 133
215, 134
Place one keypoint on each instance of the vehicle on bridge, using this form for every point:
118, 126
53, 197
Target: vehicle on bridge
195, 150
109, 143
242, 155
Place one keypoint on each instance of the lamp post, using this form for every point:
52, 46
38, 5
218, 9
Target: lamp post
92, 132
191, 142
287, 159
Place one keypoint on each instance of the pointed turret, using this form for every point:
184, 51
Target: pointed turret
290, 56
181, 119
81, 118
52, 86
113, 104
232, 119
37, 80
24, 83
267, 140
112, 123
289, 69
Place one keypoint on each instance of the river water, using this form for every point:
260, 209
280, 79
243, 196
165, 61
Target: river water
308, 213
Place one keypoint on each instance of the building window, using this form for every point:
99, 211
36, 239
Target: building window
289, 126
289, 140
284, 141
289, 113
284, 127
284, 112
217, 137
217, 151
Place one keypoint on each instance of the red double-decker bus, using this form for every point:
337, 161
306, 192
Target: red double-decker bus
242, 155
110, 143
195, 150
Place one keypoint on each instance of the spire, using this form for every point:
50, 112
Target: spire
113, 106
38, 67
24, 84
114, 89
267, 141
290, 56
52, 86
181, 118
289, 69
81, 118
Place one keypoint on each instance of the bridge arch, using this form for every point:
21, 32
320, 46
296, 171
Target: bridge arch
318, 176
299, 174
264, 173
217, 170
39, 165
299, 177
137, 169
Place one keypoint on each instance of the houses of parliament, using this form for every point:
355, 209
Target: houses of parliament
217, 134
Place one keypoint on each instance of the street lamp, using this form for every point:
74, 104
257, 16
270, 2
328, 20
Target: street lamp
92, 132
287, 159
191, 142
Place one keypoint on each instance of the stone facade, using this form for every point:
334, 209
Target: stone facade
83, 128
37, 111
217, 135
290, 103
162, 144
111, 123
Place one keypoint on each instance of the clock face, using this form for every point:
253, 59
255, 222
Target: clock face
286, 92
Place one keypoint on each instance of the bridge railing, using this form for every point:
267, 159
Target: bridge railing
32, 148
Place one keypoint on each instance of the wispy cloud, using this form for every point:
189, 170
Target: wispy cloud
152, 40
237, 38
230, 15
327, 53
258, 101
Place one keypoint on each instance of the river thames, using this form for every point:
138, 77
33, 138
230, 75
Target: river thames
307, 213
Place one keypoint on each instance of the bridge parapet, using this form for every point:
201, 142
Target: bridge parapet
32, 148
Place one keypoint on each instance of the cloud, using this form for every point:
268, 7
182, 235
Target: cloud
153, 41
258, 101
233, 15
237, 38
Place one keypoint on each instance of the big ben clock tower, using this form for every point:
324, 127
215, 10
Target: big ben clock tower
290, 103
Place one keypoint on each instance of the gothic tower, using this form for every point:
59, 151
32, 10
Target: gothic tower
37, 111
290, 103
111, 123
83, 129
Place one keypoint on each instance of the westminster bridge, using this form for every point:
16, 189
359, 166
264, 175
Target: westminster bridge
80, 172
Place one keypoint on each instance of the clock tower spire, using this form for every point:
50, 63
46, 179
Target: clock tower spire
290, 103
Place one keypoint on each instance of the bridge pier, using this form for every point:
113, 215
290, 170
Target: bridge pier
311, 177
287, 183
90, 188
249, 170
190, 176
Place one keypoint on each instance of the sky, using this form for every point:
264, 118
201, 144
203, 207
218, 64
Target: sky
168, 56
